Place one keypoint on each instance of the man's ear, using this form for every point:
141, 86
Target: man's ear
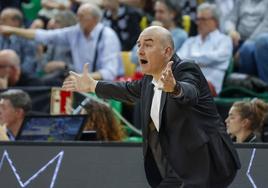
168, 52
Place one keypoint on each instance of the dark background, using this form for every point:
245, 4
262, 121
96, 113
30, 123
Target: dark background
102, 165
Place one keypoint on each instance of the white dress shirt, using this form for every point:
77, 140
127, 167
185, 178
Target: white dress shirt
155, 107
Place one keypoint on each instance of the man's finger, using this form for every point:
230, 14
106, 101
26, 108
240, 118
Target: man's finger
72, 73
169, 73
165, 74
169, 65
85, 69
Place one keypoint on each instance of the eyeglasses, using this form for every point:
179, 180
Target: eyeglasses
203, 19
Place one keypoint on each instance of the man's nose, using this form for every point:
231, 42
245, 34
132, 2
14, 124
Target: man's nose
140, 51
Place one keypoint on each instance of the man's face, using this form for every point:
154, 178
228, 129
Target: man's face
162, 13
205, 23
5, 19
152, 53
8, 113
86, 21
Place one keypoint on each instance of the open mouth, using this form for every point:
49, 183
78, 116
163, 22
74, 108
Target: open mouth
143, 61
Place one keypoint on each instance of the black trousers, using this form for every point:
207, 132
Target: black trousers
208, 180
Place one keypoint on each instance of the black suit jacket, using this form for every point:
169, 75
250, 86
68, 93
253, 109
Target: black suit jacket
187, 122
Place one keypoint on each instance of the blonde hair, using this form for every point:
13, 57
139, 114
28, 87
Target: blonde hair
254, 110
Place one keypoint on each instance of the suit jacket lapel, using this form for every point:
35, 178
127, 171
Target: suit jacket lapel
148, 103
175, 60
162, 104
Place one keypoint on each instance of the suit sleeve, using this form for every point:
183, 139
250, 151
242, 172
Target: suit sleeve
188, 78
122, 91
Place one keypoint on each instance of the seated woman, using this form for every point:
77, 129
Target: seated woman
245, 118
101, 119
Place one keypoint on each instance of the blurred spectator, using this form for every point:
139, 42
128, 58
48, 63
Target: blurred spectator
124, 20
14, 105
225, 7
211, 49
24, 48
75, 4
253, 57
245, 119
51, 7
168, 14
11, 74
58, 58
102, 119
246, 25
90, 42
146, 5
189, 7
247, 20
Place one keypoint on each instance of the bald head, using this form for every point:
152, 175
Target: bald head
155, 50
162, 34
10, 57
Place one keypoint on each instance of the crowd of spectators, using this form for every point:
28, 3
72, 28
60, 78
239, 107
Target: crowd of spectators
66, 34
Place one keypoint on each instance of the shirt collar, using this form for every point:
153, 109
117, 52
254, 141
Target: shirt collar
157, 84
251, 138
96, 30
209, 36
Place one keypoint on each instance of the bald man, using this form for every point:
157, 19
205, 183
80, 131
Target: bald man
11, 17
11, 74
185, 142
90, 42
9, 67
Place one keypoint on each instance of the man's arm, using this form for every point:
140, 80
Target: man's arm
123, 91
26, 33
182, 84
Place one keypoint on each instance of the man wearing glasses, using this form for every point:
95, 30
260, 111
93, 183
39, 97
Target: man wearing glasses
211, 49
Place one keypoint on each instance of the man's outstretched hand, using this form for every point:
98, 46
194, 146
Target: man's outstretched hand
167, 79
80, 82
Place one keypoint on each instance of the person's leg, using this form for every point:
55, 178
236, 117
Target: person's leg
261, 56
247, 62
